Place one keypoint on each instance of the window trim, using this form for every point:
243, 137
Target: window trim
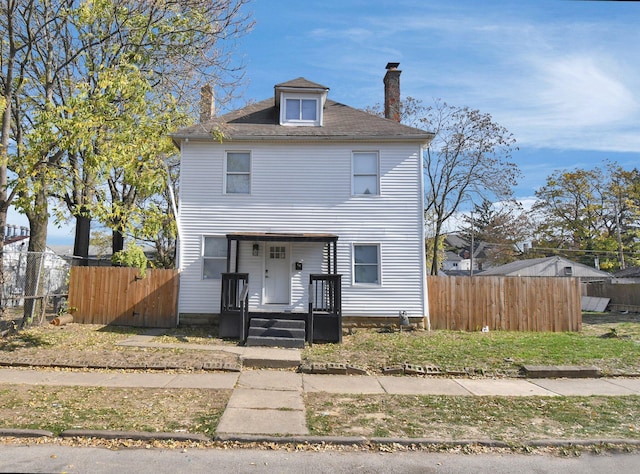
353, 264
203, 257
226, 172
300, 122
353, 172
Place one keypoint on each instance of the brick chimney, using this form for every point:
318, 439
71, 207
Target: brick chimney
392, 92
207, 104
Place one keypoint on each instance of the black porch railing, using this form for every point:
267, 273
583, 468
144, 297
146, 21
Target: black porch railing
323, 320
234, 307
325, 308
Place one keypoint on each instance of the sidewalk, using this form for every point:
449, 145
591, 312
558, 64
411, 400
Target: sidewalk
270, 402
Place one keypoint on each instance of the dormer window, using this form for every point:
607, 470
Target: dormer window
300, 103
300, 110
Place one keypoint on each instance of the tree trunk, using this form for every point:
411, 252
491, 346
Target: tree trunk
34, 280
81, 241
117, 242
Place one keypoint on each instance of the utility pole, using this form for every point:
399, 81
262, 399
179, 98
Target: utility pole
619, 235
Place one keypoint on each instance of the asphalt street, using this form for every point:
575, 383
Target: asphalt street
52, 458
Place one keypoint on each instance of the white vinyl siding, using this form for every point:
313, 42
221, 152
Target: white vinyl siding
365, 173
238, 173
307, 188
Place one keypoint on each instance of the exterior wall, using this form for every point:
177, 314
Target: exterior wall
307, 189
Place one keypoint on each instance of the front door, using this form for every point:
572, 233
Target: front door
276, 274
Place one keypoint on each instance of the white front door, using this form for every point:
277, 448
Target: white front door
277, 277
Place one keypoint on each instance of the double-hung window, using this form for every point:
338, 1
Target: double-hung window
214, 257
365, 173
238, 172
366, 264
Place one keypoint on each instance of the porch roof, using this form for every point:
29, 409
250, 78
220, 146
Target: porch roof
282, 237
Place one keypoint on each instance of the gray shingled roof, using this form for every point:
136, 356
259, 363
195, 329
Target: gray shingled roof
302, 83
260, 121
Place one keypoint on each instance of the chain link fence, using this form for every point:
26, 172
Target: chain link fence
33, 284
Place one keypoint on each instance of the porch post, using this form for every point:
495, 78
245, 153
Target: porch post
228, 254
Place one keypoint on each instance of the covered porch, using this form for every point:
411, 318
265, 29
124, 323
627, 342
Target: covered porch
269, 315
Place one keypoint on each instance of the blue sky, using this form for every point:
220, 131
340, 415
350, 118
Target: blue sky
562, 76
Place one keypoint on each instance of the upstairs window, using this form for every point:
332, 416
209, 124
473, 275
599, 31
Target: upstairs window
365, 173
238, 173
300, 110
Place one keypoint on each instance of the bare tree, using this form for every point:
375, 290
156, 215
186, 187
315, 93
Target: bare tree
469, 159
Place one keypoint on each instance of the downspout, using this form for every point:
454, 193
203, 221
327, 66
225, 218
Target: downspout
423, 257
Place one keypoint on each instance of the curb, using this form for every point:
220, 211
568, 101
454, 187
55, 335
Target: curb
311, 440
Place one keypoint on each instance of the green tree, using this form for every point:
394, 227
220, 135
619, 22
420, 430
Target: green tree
501, 228
54, 52
589, 214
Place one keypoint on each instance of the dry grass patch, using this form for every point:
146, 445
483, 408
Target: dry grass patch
491, 418
98, 408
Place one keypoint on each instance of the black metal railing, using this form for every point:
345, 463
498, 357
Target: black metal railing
234, 307
325, 298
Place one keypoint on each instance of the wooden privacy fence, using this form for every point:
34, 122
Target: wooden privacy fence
624, 296
505, 303
119, 296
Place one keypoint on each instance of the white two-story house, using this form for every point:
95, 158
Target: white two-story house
299, 204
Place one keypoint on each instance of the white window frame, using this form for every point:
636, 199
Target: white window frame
354, 175
353, 264
235, 173
299, 121
206, 257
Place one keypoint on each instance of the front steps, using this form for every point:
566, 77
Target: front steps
287, 333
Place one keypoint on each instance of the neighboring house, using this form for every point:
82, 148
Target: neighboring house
626, 276
458, 255
547, 267
300, 185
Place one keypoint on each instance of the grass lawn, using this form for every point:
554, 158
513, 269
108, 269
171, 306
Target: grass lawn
57, 409
608, 341
513, 420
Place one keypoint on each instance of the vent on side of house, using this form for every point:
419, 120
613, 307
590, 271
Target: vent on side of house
568, 271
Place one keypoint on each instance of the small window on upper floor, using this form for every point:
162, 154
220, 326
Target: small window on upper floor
300, 111
365, 173
238, 173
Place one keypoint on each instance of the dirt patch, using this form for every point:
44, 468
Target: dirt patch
96, 346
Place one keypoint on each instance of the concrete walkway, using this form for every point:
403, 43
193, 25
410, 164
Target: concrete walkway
270, 402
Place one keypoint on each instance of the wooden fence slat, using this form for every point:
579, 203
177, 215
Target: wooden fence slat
115, 295
505, 303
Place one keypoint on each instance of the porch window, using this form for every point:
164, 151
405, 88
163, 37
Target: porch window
365, 173
366, 264
214, 258
238, 172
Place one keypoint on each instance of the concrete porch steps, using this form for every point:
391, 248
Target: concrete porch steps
276, 333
